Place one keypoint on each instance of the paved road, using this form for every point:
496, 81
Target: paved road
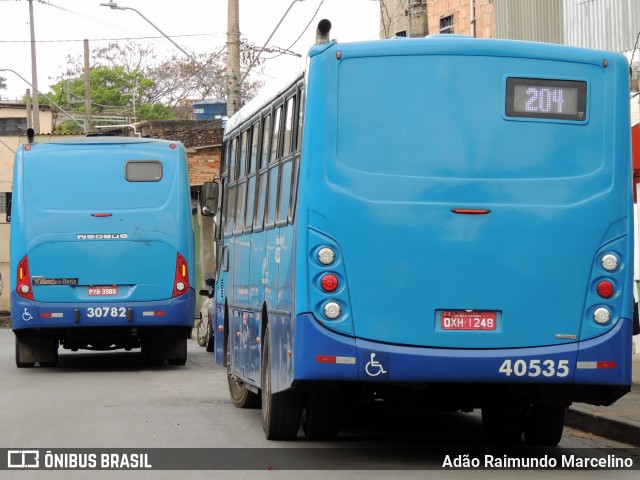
114, 400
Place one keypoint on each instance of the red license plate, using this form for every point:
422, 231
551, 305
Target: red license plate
106, 291
465, 320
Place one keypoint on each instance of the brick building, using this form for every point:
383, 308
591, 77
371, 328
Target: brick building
540, 20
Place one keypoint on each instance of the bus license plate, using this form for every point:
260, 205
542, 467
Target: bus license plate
104, 291
465, 320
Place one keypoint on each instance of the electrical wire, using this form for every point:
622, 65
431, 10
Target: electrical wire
285, 50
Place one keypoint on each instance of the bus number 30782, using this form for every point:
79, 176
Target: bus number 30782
535, 368
103, 312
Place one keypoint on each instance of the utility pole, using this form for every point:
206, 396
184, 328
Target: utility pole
29, 112
87, 89
233, 57
34, 72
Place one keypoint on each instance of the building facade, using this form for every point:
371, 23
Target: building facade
13, 132
599, 24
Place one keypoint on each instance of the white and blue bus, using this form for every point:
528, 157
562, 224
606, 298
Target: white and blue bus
102, 249
445, 220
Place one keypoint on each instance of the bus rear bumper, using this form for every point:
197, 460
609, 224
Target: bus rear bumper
324, 355
174, 312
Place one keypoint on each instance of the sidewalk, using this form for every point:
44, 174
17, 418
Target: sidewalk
619, 422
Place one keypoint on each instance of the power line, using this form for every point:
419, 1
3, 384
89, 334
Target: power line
109, 39
286, 50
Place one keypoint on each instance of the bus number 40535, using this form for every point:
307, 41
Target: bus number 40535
535, 368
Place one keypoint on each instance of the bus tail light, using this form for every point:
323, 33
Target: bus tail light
181, 281
329, 282
605, 289
23, 287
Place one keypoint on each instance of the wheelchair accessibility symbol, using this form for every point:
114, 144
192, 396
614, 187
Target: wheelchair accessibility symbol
374, 367
26, 316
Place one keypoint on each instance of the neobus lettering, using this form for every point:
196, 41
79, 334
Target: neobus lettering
101, 236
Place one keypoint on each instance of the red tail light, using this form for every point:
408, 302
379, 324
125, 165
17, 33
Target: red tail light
23, 287
605, 289
329, 282
181, 282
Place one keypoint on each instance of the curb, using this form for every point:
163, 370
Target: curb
616, 429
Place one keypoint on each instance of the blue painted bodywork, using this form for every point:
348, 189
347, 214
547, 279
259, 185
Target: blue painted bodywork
58, 187
396, 135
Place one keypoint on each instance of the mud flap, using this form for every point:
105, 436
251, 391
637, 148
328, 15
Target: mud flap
36, 349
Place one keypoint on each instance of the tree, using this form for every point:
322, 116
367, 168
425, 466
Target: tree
175, 78
115, 93
3, 84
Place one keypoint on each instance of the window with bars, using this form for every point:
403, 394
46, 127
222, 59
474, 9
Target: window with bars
446, 24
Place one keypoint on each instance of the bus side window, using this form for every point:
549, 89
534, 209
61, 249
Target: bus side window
288, 128
285, 192
230, 198
275, 135
242, 183
272, 196
298, 142
251, 182
261, 199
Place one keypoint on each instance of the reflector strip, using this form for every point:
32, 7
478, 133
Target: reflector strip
595, 365
157, 313
52, 315
335, 359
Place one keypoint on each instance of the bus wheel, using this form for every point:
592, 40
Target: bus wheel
544, 424
241, 396
209, 338
19, 356
280, 411
321, 415
181, 359
503, 424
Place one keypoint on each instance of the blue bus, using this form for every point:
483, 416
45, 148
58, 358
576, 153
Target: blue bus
445, 221
102, 249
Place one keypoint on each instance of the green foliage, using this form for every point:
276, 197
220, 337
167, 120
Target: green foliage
3, 83
155, 111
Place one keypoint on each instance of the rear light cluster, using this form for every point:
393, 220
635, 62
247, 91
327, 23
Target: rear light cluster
181, 280
606, 288
23, 284
329, 283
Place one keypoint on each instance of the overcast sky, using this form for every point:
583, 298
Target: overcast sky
201, 25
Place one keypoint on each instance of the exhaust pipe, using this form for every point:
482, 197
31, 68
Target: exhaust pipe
323, 31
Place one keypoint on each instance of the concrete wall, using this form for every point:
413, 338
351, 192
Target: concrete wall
8, 145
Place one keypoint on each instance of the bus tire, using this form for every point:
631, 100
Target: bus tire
180, 345
240, 395
19, 353
208, 344
321, 415
280, 411
544, 424
503, 424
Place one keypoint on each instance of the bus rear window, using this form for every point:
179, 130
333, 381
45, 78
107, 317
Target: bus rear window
143, 171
